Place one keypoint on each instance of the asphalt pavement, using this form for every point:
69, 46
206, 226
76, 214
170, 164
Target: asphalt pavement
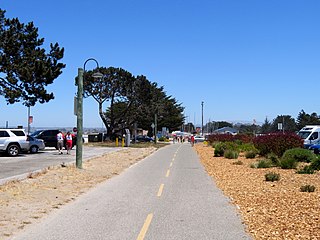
168, 195
16, 168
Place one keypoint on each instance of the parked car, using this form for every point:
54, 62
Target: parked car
49, 136
35, 144
13, 141
143, 138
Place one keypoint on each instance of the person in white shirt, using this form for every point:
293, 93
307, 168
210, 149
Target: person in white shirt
60, 140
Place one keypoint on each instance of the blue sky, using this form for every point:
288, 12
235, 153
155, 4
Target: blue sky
245, 59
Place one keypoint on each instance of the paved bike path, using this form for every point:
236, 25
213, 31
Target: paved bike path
167, 196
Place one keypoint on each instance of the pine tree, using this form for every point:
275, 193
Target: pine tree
26, 66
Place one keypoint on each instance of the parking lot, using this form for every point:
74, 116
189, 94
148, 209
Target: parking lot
20, 167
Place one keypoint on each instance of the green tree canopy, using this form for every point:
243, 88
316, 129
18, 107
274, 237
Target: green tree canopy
288, 123
304, 119
25, 66
132, 101
266, 126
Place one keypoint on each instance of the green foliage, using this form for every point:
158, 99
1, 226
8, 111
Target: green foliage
231, 146
162, 139
288, 163
266, 127
273, 158
307, 188
272, 176
277, 143
250, 154
315, 164
134, 101
219, 149
27, 68
246, 147
304, 119
299, 154
264, 163
231, 154
289, 123
306, 170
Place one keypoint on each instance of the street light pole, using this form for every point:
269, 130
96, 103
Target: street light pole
80, 110
79, 119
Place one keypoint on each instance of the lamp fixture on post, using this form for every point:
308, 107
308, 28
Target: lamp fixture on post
81, 79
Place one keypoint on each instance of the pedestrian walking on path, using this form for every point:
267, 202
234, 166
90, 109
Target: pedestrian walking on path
60, 141
69, 138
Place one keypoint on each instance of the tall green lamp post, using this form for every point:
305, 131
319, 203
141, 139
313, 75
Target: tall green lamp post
80, 109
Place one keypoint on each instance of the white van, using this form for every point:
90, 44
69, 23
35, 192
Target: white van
310, 135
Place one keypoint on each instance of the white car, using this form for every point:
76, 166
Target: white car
13, 141
198, 139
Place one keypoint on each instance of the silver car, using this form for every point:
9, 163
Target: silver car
35, 144
13, 141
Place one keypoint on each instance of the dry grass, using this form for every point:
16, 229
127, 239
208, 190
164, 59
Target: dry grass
271, 210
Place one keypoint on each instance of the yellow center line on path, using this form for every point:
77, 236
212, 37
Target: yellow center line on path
145, 227
160, 190
170, 164
168, 172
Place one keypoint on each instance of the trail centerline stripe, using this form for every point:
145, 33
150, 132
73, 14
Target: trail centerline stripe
168, 172
145, 227
160, 190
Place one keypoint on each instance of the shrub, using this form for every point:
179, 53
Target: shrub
264, 164
253, 165
238, 162
315, 164
299, 154
277, 143
240, 138
288, 163
232, 146
307, 188
231, 154
161, 139
306, 170
273, 158
272, 176
250, 154
246, 147
219, 149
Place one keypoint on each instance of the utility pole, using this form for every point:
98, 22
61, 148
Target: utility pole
202, 119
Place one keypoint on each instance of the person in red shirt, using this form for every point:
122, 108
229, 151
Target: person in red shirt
69, 142
192, 140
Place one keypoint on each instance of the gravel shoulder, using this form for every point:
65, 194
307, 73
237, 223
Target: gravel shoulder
270, 210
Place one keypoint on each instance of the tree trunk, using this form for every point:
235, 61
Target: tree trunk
103, 117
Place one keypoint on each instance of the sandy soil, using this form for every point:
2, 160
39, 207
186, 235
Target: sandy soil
271, 210
23, 203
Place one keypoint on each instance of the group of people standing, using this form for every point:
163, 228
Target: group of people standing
64, 138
